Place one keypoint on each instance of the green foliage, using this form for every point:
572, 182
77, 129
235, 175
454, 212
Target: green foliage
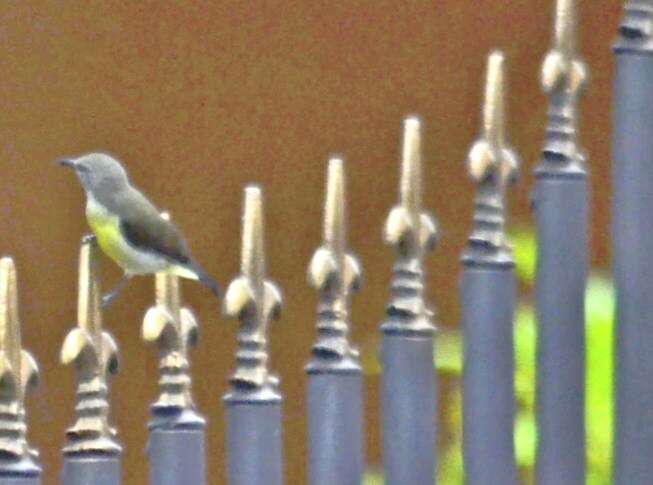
599, 309
448, 353
525, 426
373, 478
525, 253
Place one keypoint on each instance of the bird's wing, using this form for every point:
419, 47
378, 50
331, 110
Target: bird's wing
143, 227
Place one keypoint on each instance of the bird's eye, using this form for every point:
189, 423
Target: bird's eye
82, 168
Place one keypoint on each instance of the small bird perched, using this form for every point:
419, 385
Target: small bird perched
129, 229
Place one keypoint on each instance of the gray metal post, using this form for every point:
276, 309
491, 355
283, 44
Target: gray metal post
177, 452
176, 447
488, 299
18, 372
335, 379
92, 455
253, 405
23, 472
560, 201
91, 468
632, 233
409, 379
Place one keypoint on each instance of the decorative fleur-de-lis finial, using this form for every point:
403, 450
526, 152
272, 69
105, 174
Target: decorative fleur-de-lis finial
563, 77
174, 328
335, 273
413, 232
410, 229
254, 300
493, 164
95, 355
18, 369
637, 26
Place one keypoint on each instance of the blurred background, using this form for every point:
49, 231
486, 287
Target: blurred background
199, 99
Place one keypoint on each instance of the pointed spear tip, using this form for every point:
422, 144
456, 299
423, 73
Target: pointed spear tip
335, 180
334, 208
483, 153
412, 138
253, 258
562, 69
88, 298
496, 58
336, 171
412, 135
495, 75
7, 264
9, 297
253, 194
411, 164
336, 161
166, 285
566, 23
86, 257
8, 300
412, 122
493, 109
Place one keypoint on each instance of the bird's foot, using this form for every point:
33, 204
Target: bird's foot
89, 239
108, 299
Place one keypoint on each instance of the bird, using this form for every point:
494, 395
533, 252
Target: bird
128, 227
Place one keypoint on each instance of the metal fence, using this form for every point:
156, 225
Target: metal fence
254, 403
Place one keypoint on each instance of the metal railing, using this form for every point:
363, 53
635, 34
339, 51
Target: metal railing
336, 429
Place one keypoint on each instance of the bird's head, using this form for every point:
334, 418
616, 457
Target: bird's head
97, 171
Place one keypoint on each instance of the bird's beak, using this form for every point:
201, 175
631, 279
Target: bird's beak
65, 162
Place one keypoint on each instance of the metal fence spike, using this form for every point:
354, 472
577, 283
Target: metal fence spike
95, 355
408, 227
177, 441
632, 240
253, 402
561, 205
334, 272
564, 75
253, 299
408, 330
494, 165
18, 371
174, 329
335, 380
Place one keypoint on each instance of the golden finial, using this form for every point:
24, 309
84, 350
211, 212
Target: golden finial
335, 272
494, 165
174, 328
562, 68
253, 299
413, 232
564, 76
18, 369
95, 355
408, 227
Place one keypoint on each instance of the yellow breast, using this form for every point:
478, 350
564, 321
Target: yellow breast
106, 228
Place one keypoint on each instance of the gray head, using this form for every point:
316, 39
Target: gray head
98, 172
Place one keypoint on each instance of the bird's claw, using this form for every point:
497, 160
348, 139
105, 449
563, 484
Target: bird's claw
89, 239
107, 300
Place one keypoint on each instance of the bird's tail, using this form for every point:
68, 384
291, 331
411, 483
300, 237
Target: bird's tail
194, 271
